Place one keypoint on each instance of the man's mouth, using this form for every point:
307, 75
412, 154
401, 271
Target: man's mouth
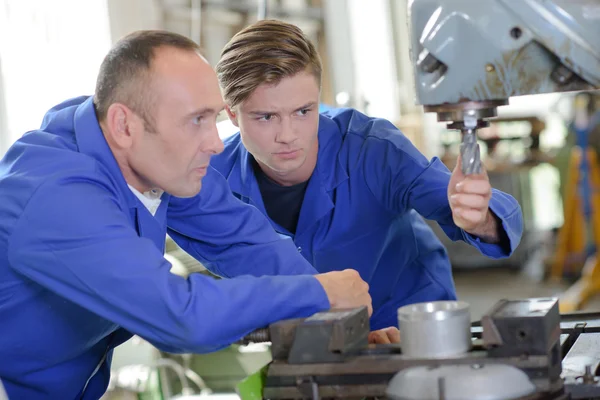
202, 169
286, 152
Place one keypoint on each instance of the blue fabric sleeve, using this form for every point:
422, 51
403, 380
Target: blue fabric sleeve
398, 174
229, 237
74, 239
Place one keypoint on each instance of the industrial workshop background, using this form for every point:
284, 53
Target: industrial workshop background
51, 49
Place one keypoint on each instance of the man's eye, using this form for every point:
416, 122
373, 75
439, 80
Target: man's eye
303, 112
266, 117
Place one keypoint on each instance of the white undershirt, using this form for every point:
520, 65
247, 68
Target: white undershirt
3, 395
150, 199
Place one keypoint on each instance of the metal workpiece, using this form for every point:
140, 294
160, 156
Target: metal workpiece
467, 51
459, 382
435, 329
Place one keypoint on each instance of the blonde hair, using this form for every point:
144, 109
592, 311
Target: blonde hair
264, 52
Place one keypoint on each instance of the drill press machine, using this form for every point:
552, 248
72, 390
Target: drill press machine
470, 56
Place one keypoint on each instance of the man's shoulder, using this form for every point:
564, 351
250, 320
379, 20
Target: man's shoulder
357, 126
43, 153
363, 137
43, 159
37, 166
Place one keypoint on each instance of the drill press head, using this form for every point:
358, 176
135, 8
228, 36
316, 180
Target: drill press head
470, 57
468, 115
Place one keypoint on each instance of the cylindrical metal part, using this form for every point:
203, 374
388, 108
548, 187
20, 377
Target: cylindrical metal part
437, 329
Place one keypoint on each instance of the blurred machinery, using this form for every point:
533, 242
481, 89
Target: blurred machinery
579, 238
526, 343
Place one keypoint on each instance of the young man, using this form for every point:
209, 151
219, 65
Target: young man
86, 202
348, 189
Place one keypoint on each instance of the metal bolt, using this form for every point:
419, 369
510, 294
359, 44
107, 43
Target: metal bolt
516, 32
562, 75
258, 336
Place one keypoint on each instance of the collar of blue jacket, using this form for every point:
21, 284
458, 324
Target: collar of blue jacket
82, 266
363, 209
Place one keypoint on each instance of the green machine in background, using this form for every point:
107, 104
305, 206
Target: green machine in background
221, 371
142, 372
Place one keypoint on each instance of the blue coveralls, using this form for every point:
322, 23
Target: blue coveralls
82, 267
361, 210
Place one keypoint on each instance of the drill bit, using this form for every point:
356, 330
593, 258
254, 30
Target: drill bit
469, 148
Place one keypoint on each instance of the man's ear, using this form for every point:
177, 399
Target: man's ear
122, 124
232, 116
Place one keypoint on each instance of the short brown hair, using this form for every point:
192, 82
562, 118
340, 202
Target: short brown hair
124, 73
264, 52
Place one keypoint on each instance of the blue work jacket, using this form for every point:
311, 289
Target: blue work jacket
82, 266
361, 210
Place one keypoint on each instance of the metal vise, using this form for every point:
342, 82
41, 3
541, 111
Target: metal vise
327, 356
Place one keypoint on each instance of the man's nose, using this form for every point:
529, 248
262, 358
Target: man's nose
215, 144
286, 131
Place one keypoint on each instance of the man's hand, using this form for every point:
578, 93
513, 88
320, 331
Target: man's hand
346, 289
385, 336
469, 198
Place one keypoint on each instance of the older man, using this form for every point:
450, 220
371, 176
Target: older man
85, 205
